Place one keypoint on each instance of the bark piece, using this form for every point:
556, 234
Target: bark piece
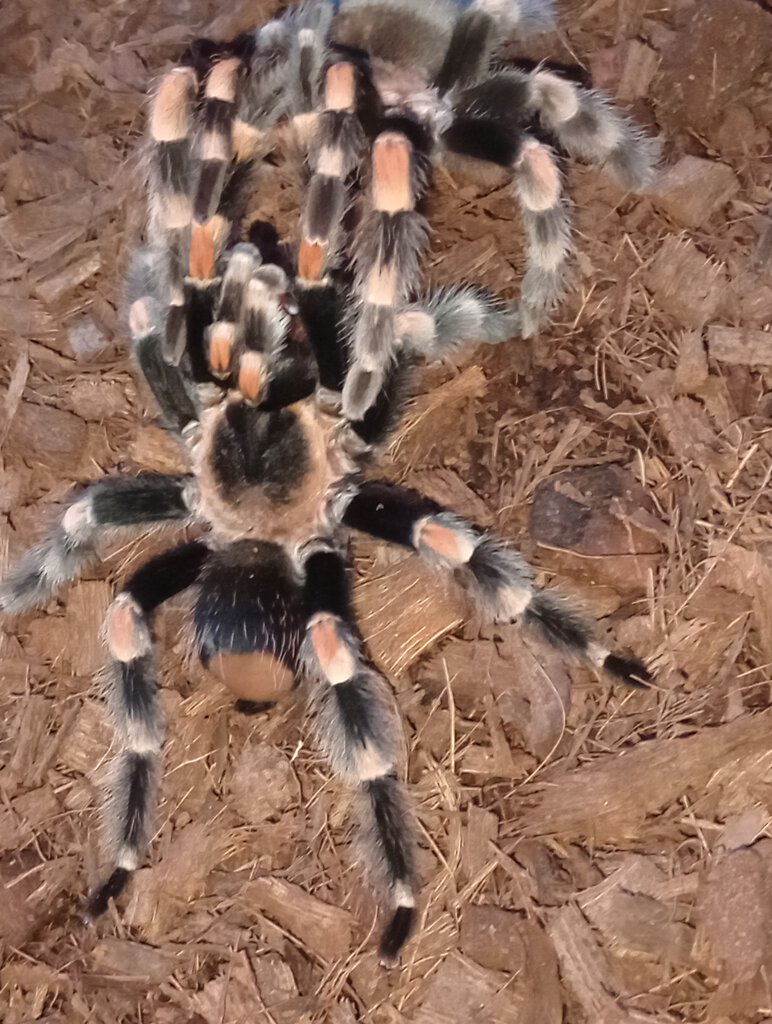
599, 523
735, 937
460, 992
132, 961
527, 680
482, 829
501, 940
48, 436
692, 367
232, 997
263, 785
611, 799
406, 610
326, 929
587, 973
626, 69
693, 189
740, 346
685, 283
74, 274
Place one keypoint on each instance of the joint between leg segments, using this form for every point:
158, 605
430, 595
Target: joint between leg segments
128, 636
333, 650
444, 540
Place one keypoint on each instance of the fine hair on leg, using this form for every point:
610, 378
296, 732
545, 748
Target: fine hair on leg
131, 693
498, 580
70, 546
358, 730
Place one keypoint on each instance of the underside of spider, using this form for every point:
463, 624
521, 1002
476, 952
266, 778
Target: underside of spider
282, 376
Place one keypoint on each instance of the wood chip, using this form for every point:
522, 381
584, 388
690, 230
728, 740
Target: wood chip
39, 172
527, 680
15, 390
132, 961
626, 69
501, 940
461, 991
232, 997
482, 829
685, 283
325, 929
278, 990
692, 368
734, 934
406, 610
610, 799
740, 346
76, 273
636, 923
598, 523
588, 974
700, 73
48, 436
87, 604
693, 189
263, 784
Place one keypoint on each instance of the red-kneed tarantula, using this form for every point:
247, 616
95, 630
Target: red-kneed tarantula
255, 392
376, 92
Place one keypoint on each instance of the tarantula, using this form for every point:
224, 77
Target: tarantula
376, 90
276, 476
250, 368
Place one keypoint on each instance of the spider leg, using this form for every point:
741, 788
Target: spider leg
498, 139
145, 298
322, 310
538, 187
202, 173
71, 545
171, 207
249, 343
438, 324
132, 697
479, 29
359, 732
334, 153
388, 248
214, 145
469, 51
499, 581
289, 54
588, 125
518, 18
335, 146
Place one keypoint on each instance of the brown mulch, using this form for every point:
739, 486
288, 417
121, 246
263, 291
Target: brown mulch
588, 854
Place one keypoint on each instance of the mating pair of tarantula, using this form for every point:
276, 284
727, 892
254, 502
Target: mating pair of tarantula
283, 381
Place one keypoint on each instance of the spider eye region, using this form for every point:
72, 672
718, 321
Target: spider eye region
254, 447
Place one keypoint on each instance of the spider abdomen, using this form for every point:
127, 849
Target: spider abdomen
248, 619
